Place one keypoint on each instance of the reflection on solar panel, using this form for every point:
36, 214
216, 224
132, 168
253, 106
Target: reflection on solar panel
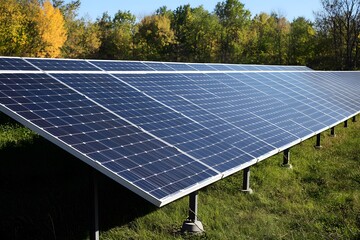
164, 130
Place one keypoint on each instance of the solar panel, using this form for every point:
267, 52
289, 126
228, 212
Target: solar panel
177, 99
203, 92
164, 130
294, 97
158, 66
248, 67
158, 119
61, 64
180, 66
121, 66
7, 63
125, 153
202, 67
221, 67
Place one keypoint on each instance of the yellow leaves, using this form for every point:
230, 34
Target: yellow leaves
28, 28
12, 36
311, 31
157, 28
155, 36
51, 26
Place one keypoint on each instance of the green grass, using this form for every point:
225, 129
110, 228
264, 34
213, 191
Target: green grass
44, 195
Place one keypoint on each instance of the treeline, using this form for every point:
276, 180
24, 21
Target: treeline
229, 34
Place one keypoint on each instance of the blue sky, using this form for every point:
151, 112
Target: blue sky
289, 8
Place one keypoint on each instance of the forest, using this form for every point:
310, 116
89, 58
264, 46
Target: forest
228, 34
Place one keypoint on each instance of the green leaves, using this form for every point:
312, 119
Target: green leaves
189, 34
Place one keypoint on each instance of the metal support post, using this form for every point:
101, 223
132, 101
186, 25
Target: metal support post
286, 159
332, 132
318, 141
94, 206
354, 119
192, 224
346, 124
246, 181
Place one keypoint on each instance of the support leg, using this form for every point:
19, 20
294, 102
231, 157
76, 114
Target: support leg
246, 181
286, 159
332, 132
354, 119
192, 224
94, 206
318, 141
346, 124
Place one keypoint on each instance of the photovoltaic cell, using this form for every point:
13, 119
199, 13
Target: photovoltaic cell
165, 130
158, 66
14, 64
61, 64
240, 67
122, 66
220, 67
100, 137
182, 96
180, 66
158, 119
202, 67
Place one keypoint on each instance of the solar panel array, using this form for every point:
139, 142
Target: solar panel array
164, 130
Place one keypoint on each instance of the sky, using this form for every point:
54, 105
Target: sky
288, 8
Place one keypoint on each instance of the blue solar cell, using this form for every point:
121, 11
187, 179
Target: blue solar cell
241, 67
180, 66
158, 66
61, 64
160, 133
202, 67
79, 125
293, 99
121, 66
309, 91
152, 116
221, 67
198, 104
13, 64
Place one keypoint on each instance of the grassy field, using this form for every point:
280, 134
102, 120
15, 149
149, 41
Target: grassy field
44, 195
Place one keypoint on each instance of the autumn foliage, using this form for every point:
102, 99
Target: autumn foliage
51, 27
28, 28
228, 34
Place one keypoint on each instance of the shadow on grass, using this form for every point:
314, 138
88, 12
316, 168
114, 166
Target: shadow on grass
44, 194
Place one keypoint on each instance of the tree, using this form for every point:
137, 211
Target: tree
51, 27
338, 25
203, 30
235, 20
69, 10
196, 31
179, 24
28, 28
83, 39
155, 37
13, 34
83, 36
117, 35
271, 33
164, 11
282, 27
264, 26
301, 42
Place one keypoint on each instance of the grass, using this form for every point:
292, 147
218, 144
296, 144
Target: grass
44, 195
